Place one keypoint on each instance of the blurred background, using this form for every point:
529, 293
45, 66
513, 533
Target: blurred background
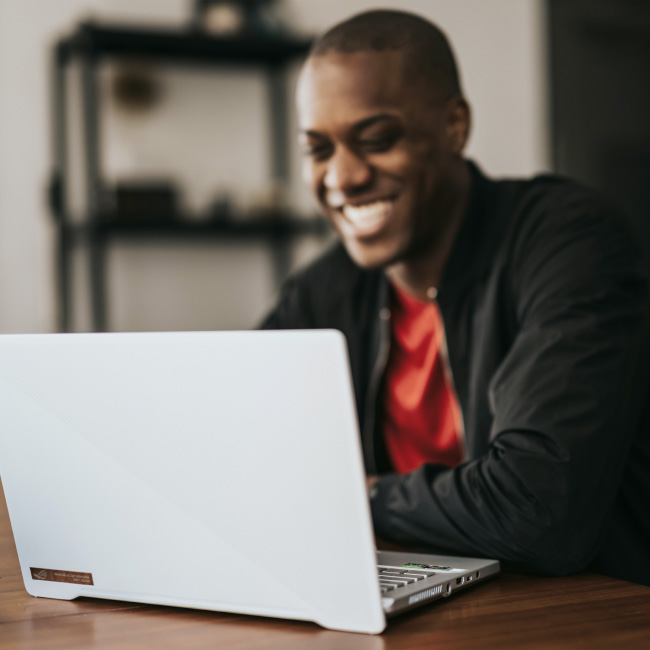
149, 172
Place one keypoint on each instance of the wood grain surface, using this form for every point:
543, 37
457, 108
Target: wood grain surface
584, 611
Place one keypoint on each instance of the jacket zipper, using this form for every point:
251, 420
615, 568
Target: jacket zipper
444, 351
373, 387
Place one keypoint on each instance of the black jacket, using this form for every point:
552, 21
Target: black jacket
546, 314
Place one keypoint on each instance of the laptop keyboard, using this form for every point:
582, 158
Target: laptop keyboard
394, 577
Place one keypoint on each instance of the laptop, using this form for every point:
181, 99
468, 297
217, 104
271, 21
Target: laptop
213, 470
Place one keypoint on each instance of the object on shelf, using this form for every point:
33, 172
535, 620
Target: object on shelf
232, 18
135, 87
144, 201
219, 209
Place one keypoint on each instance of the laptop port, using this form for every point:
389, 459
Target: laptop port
459, 581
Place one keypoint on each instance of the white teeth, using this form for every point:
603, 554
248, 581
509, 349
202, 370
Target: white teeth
370, 213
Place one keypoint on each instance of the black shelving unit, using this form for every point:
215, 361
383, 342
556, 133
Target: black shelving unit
91, 44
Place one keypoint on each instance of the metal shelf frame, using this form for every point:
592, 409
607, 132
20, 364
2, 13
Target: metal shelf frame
91, 44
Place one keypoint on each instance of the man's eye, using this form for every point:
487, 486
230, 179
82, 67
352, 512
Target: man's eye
379, 143
317, 151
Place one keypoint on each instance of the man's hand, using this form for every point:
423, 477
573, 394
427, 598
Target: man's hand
370, 481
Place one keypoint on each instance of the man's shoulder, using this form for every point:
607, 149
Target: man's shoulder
553, 194
334, 272
560, 227
550, 203
333, 261
330, 287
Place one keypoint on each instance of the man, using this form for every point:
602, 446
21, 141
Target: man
497, 330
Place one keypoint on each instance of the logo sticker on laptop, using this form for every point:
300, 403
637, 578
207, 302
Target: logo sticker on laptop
54, 575
415, 565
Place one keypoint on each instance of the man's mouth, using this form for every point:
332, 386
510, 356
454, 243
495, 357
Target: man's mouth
369, 218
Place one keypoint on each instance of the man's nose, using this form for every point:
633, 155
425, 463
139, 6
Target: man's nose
346, 171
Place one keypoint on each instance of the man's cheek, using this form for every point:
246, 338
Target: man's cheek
308, 174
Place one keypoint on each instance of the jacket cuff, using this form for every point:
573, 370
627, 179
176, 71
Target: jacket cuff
380, 497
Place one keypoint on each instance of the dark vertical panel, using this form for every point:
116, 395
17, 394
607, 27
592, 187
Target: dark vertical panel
58, 190
600, 84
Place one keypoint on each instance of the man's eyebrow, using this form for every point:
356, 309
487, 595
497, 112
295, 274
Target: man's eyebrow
372, 120
358, 126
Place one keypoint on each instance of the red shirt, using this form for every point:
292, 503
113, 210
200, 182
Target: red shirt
422, 418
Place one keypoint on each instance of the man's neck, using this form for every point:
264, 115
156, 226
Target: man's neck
421, 275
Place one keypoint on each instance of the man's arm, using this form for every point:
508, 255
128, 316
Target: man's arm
565, 404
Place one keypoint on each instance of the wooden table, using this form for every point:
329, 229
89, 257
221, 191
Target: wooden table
513, 611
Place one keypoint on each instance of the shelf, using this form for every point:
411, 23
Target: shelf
92, 44
251, 228
116, 41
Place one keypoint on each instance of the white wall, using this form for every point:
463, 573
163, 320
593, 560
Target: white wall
213, 126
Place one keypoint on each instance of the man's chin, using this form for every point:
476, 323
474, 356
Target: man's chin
370, 257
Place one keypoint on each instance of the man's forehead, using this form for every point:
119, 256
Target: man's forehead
368, 69
355, 83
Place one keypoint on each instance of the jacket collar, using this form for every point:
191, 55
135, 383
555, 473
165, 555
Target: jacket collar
470, 254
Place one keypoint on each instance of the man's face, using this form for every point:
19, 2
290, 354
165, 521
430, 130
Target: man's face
380, 146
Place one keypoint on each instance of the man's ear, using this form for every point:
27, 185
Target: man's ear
458, 123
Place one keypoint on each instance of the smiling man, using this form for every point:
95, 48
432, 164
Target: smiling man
498, 330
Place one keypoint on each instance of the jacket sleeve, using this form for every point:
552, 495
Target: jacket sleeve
565, 403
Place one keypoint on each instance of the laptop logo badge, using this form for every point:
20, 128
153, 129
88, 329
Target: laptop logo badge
54, 575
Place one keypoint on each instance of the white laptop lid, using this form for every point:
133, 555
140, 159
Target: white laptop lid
218, 470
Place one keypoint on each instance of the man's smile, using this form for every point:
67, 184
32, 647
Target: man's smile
362, 218
369, 218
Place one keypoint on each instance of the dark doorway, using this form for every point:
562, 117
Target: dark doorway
600, 85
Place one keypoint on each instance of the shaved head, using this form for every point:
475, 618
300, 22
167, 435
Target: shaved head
424, 44
382, 128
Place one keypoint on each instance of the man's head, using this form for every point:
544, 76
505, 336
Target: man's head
383, 126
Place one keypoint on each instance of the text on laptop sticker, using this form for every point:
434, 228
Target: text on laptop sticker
53, 575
